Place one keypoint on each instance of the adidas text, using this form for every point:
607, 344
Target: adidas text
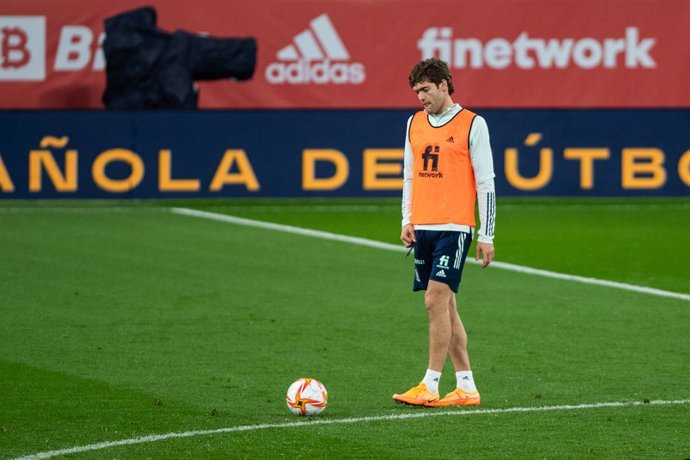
316, 55
323, 72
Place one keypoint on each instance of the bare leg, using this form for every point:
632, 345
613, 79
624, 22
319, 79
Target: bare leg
437, 300
458, 342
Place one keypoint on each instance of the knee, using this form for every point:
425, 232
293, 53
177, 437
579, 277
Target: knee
435, 303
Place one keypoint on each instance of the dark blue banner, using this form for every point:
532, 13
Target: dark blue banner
329, 153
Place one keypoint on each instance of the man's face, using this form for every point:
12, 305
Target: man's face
431, 96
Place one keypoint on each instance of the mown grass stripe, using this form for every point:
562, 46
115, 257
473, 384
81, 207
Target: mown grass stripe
321, 422
398, 248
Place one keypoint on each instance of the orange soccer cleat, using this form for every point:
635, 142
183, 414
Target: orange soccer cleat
417, 396
456, 397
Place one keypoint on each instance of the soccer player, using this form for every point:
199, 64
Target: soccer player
448, 167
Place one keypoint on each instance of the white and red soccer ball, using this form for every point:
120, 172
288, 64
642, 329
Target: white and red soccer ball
306, 396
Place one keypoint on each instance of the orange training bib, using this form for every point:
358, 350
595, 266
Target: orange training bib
443, 186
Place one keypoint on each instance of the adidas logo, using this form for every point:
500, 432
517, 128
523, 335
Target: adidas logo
317, 55
451, 140
441, 274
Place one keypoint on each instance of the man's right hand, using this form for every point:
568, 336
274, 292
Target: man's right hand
407, 235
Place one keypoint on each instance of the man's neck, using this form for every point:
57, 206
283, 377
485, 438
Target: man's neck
446, 105
445, 108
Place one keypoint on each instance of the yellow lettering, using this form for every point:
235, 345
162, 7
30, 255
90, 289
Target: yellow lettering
524, 183
586, 157
533, 139
684, 168
373, 169
165, 181
642, 168
245, 174
40, 160
120, 185
335, 157
6, 184
52, 141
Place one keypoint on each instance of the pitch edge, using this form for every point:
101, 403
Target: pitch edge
392, 247
321, 422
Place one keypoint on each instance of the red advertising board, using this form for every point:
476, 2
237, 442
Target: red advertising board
354, 54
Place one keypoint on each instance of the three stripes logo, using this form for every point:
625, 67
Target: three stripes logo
317, 55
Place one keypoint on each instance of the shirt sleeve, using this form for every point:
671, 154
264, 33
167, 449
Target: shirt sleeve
407, 177
483, 165
486, 202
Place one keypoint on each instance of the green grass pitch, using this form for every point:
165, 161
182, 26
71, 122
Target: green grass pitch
124, 320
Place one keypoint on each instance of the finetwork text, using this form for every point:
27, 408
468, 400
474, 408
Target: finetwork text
526, 52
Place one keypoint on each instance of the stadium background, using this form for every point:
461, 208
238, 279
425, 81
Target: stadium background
126, 322
583, 98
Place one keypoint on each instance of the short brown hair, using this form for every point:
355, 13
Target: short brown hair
432, 70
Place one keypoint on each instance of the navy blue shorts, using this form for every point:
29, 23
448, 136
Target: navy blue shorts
440, 256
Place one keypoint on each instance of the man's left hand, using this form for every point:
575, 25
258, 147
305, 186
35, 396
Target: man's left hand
485, 251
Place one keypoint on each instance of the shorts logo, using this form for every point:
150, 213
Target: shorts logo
318, 55
441, 273
22, 48
443, 262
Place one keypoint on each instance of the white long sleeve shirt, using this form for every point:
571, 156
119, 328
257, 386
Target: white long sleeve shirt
482, 164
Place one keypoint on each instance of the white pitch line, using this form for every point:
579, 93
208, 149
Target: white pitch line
587, 280
394, 247
318, 422
80, 209
287, 229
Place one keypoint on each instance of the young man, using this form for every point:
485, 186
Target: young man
448, 166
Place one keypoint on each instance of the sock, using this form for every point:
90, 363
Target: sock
431, 380
466, 381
